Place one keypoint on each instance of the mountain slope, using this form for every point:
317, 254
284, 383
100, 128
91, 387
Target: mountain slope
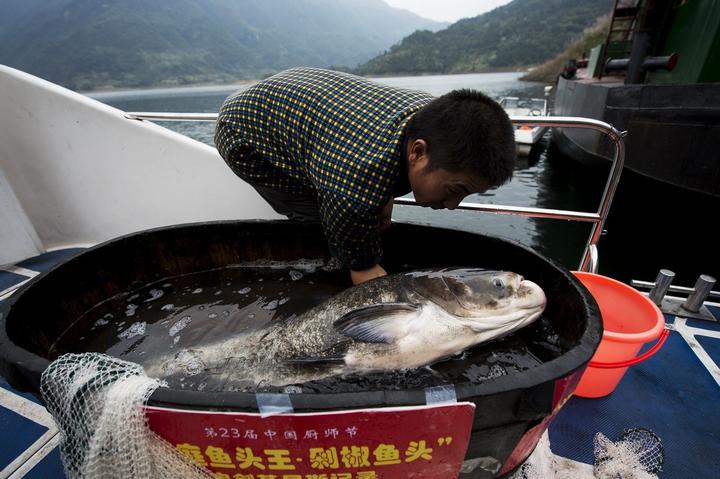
85, 44
521, 33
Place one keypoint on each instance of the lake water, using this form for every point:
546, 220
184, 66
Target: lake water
651, 225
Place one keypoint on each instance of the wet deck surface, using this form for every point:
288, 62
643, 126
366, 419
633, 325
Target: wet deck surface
674, 394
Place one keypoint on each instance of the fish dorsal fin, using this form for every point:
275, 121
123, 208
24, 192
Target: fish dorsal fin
377, 323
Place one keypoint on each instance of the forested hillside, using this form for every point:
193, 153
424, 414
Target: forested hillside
519, 34
549, 71
86, 44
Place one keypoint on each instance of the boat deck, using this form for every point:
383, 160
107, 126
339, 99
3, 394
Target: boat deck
674, 394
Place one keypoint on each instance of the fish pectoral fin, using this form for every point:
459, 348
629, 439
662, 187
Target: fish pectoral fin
377, 323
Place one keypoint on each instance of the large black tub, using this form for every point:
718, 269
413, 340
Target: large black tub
511, 410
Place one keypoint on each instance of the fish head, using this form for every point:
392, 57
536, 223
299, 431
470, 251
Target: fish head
438, 313
484, 300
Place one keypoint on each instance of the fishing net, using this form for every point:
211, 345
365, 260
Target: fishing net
96, 401
638, 454
638, 450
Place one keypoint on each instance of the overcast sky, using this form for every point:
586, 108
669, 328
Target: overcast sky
447, 10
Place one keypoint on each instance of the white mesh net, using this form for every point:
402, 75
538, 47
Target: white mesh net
97, 402
638, 454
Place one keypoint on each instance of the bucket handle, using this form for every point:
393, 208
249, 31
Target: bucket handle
635, 360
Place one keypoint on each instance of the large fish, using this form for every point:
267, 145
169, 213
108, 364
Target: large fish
398, 321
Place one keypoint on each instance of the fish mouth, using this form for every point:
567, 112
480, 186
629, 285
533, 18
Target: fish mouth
533, 291
507, 314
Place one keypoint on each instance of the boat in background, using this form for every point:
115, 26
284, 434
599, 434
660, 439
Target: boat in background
656, 76
526, 136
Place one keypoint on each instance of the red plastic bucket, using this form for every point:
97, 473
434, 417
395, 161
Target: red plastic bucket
630, 320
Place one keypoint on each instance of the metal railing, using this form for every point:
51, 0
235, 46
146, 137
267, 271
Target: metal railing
162, 116
589, 261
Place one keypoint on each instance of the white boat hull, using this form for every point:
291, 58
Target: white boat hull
529, 136
75, 171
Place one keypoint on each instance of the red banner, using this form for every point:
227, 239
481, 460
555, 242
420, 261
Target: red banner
564, 388
387, 443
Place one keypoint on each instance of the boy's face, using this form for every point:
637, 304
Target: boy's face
439, 188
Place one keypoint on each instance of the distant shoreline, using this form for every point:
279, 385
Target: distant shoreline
114, 90
222, 86
484, 71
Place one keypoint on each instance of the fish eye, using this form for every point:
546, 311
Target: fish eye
498, 283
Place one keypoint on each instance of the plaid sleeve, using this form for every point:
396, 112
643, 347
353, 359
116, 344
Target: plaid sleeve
351, 230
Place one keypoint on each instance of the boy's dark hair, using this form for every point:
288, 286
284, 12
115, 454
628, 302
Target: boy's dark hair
467, 131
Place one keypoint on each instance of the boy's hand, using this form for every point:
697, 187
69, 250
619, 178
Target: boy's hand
358, 277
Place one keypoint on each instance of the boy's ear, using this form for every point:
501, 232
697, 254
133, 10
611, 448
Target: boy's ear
418, 151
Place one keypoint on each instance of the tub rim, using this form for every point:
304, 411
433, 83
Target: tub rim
17, 363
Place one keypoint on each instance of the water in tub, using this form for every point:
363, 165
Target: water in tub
171, 325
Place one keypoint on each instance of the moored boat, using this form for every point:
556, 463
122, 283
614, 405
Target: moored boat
657, 78
526, 136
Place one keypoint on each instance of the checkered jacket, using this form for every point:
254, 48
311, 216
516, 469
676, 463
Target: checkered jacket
331, 135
